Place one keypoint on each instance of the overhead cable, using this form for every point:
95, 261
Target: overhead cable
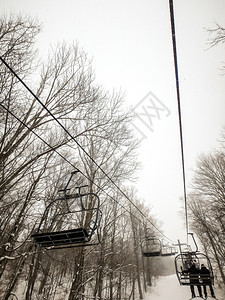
78, 144
172, 21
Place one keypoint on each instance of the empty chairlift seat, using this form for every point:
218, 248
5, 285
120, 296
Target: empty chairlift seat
70, 221
168, 250
59, 238
151, 247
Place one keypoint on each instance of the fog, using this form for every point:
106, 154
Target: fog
168, 288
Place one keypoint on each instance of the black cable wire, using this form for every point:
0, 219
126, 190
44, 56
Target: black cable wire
64, 158
30, 129
179, 106
79, 145
53, 148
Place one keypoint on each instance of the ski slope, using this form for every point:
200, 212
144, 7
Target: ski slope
168, 288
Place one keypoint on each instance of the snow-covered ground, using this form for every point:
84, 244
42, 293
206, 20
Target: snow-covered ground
168, 288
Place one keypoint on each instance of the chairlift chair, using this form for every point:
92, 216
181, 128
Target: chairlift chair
70, 221
151, 246
168, 250
183, 262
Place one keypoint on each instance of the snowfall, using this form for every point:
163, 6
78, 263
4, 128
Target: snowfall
168, 288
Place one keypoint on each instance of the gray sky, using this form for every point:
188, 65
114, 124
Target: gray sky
129, 42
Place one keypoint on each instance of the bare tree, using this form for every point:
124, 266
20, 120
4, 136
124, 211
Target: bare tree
66, 88
217, 37
207, 206
74, 123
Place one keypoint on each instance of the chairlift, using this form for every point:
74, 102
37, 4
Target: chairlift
168, 250
151, 246
186, 259
69, 221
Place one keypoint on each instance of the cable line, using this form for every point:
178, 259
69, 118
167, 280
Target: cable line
71, 164
172, 21
69, 134
38, 136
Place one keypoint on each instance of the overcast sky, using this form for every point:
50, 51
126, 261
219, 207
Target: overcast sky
130, 45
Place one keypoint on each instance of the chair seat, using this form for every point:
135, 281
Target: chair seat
66, 237
151, 254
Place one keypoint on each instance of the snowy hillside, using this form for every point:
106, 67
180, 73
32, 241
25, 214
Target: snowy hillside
168, 288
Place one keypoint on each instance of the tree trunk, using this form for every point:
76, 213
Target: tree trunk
77, 284
15, 278
33, 272
45, 277
136, 259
